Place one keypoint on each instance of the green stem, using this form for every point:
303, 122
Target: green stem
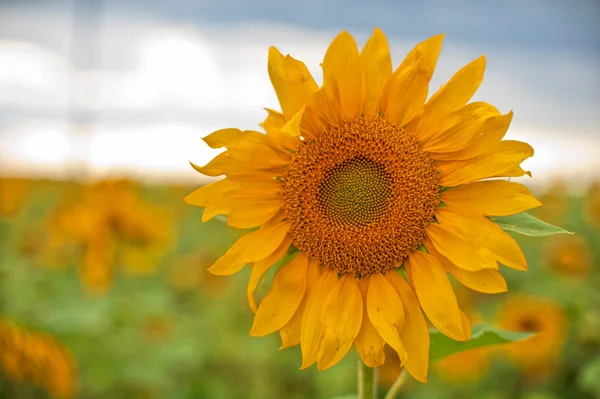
397, 386
367, 387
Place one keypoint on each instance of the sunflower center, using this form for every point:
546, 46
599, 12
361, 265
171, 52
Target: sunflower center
360, 196
530, 325
355, 192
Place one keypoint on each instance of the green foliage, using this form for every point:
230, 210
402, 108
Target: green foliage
482, 335
526, 224
145, 338
589, 379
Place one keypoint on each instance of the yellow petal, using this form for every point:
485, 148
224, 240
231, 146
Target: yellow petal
214, 208
386, 312
323, 111
292, 82
342, 72
250, 248
310, 333
368, 342
351, 85
204, 194
273, 124
415, 333
259, 268
514, 171
292, 128
435, 294
451, 96
253, 215
290, 333
492, 197
342, 53
491, 131
406, 90
448, 242
216, 166
458, 129
248, 159
500, 160
377, 67
284, 297
229, 137
253, 145
489, 281
484, 234
241, 200
341, 318
466, 324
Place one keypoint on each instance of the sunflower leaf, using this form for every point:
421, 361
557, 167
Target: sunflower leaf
482, 335
524, 223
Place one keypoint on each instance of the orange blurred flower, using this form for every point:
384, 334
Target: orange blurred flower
13, 195
568, 255
190, 273
112, 225
592, 205
538, 355
37, 358
556, 203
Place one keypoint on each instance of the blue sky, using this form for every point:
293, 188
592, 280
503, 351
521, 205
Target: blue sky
185, 67
537, 24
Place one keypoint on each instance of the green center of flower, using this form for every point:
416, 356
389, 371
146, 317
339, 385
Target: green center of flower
355, 192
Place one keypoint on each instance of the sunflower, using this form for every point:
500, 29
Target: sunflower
37, 358
568, 255
189, 274
538, 354
355, 179
13, 196
592, 205
556, 202
110, 224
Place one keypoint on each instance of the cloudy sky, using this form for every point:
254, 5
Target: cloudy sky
106, 87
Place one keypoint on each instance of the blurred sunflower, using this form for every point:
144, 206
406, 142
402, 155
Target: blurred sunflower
537, 355
556, 202
190, 274
568, 255
13, 195
36, 358
357, 178
112, 225
592, 205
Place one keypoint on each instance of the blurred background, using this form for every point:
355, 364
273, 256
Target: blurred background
103, 289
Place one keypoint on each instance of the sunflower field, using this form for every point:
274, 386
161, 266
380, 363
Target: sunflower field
104, 293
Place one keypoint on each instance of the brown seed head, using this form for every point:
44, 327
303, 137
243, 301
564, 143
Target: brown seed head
360, 196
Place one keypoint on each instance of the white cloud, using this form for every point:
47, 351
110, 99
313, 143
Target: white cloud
160, 87
35, 145
31, 77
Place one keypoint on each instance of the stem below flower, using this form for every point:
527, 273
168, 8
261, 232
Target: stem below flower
395, 389
367, 384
